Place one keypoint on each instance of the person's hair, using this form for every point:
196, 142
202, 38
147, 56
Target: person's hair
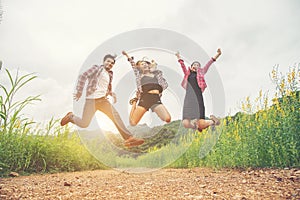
138, 63
109, 56
196, 62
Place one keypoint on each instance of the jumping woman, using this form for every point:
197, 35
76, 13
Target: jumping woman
193, 82
150, 85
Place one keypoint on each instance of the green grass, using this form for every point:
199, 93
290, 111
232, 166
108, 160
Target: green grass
260, 135
25, 147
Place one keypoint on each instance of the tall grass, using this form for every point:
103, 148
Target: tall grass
260, 135
29, 147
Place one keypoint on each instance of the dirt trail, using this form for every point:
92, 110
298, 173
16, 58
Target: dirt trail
197, 183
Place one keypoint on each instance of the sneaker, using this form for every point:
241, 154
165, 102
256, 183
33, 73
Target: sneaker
133, 100
132, 142
215, 119
66, 119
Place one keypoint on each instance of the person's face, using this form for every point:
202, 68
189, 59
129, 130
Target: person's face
195, 66
108, 63
144, 66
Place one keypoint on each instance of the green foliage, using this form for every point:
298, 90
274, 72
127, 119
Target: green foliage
258, 136
25, 148
10, 111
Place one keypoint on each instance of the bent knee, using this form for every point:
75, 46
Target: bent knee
83, 125
168, 119
186, 124
133, 122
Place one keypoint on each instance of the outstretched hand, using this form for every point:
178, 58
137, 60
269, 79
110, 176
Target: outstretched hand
127, 56
219, 52
130, 59
177, 55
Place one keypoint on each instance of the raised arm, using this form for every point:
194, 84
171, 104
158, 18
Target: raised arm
213, 59
219, 52
181, 62
136, 71
130, 59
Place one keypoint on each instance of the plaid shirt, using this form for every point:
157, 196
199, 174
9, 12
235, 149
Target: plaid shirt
158, 74
200, 74
93, 75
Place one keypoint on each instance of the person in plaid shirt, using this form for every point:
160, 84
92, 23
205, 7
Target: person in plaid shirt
150, 85
98, 88
194, 83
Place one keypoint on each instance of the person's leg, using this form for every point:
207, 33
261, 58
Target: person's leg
88, 113
199, 124
105, 106
203, 124
162, 112
136, 114
187, 123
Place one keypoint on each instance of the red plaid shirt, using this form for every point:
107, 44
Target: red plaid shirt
92, 75
200, 74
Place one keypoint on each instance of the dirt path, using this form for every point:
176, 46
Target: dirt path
197, 183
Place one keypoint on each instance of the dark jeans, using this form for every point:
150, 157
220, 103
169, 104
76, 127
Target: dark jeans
103, 105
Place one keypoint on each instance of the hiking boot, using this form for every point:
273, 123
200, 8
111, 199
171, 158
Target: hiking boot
132, 142
66, 119
215, 119
133, 100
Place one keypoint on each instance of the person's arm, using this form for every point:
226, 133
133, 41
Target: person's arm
219, 52
213, 59
81, 81
136, 71
161, 80
130, 59
181, 62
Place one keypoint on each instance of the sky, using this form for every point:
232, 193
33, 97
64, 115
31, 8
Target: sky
54, 38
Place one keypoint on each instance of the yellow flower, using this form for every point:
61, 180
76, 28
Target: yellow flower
266, 102
274, 74
282, 84
291, 76
256, 116
288, 92
236, 134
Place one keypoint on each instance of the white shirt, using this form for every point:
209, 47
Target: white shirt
102, 86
